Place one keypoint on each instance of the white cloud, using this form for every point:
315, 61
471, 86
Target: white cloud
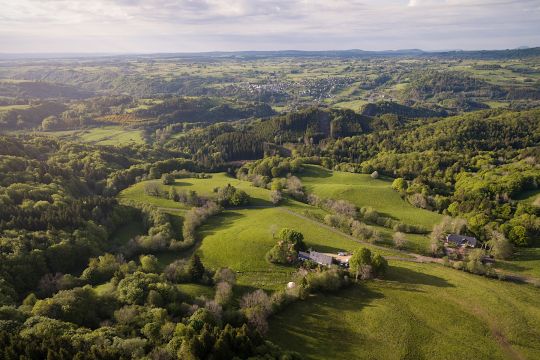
196, 25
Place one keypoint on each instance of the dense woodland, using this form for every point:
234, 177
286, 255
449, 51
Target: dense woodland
70, 289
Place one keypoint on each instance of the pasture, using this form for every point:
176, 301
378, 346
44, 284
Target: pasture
203, 187
364, 191
107, 135
239, 239
418, 311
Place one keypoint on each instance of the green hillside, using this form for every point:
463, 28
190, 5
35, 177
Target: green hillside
418, 311
239, 239
363, 190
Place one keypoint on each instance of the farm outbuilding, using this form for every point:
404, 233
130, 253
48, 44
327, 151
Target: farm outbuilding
461, 240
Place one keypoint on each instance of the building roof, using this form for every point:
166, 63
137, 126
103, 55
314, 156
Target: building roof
461, 240
319, 258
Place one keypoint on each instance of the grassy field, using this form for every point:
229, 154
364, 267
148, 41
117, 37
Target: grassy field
203, 187
420, 311
107, 135
13, 107
355, 105
526, 261
362, 190
239, 239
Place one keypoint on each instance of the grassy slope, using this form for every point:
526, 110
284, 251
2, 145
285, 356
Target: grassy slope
239, 239
203, 187
418, 311
107, 135
362, 190
526, 261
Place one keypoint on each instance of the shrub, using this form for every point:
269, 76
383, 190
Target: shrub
167, 179
399, 240
282, 253
294, 237
275, 197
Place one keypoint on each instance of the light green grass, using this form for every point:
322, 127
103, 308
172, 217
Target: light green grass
497, 104
197, 290
362, 190
420, 311
203, 187
107, 135
13, 107
135, 193
526, 261
112, 135
239, 239
355, 105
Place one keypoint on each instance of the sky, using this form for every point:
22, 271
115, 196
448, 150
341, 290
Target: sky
152, 26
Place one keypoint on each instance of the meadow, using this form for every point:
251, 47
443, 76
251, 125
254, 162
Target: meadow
239, 239
525, 261
364, 191
419, 311
107, 135
203, 187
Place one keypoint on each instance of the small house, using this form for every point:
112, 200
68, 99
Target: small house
319, 258
461, 240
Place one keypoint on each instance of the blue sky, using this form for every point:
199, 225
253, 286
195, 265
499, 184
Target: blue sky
206, 25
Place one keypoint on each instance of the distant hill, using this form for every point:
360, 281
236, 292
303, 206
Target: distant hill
521, 52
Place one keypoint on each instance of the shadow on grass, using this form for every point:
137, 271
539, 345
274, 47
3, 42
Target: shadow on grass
216, 223
315, 172
315, 326
182, 183
511, 267
408, 276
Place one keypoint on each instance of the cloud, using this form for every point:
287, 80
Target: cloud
197, 25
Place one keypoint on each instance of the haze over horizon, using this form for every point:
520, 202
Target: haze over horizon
157, 26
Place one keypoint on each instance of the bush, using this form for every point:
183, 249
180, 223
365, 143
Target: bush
231, 196
275, 197
282, 253
294, 237
167, 179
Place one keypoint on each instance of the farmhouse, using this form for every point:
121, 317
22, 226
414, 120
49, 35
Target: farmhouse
323, 259
319, 258
461, 240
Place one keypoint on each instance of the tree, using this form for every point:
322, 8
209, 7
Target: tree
49, 123
379, 264
134, 288
400, 185
399, 240
149, 263
196, 268
167, 179
294, 237
518, 235
226, 275
360, 262
501, 248
275, 197
224, 293
173, 194
282, 253
80, 306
